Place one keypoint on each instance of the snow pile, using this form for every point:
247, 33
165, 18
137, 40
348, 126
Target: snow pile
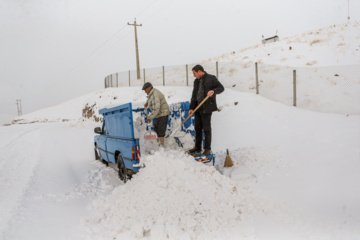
173, 197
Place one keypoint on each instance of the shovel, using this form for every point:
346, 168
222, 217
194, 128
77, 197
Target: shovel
149, 134
174, 131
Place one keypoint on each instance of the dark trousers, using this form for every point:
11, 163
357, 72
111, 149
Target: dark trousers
160, 125
202, 122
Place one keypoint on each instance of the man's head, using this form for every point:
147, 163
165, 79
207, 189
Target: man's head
198, 71
147, 87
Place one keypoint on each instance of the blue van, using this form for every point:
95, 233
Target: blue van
117, 146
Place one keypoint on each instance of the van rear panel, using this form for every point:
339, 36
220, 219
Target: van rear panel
119, 131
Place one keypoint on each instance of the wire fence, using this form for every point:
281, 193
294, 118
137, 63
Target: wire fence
330, 89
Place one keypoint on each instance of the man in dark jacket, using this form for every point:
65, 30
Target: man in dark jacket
204, 85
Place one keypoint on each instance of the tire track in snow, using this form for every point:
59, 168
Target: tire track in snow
65, 179
18, 162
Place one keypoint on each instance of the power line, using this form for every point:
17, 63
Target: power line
94, 51
104, 43
163, 5
145, 8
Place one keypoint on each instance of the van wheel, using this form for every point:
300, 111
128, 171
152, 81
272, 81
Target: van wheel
97, 155
121, 169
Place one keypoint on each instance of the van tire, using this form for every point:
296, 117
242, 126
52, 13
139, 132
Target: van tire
121, 169
97, 155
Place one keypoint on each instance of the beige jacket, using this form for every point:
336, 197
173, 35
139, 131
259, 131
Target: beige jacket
157, 104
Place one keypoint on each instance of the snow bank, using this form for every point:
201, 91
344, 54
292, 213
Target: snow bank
173, 197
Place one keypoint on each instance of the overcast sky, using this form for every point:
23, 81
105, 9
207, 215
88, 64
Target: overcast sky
52, 51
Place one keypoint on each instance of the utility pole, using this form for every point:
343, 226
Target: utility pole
18, 103
348, 10
137, 49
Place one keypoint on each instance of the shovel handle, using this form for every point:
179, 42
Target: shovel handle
147, 124
146, 112
172, 132
202, 102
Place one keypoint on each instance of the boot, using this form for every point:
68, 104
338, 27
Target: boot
161, 141
207, 152
194, 150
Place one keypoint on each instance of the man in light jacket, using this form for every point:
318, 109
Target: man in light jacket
159, 110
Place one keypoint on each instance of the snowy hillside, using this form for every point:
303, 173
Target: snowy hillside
326, 62
336, 45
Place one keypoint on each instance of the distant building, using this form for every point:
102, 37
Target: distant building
271, 39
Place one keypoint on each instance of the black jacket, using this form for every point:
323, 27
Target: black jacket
210, 82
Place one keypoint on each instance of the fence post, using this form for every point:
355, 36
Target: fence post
105, 82
257, 78
187, 76
163, 75
111, 77
144, 75
129, 78
117, 79
217, 70
294, 88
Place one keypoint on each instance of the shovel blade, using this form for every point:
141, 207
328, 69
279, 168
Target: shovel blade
150, 135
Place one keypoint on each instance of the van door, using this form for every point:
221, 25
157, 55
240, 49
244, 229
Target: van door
102, 143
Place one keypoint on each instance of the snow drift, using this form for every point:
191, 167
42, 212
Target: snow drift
174, 197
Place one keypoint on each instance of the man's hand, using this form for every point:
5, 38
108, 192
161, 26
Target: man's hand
148, 121
146, 104
191, 112
210, 93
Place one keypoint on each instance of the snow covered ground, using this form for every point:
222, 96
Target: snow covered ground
294, 177
295, 171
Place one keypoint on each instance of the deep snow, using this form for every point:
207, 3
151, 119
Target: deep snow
294, 177
295, 171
